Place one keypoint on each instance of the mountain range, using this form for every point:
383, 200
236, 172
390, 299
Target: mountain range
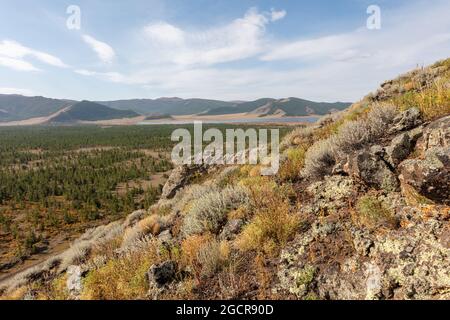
19, 108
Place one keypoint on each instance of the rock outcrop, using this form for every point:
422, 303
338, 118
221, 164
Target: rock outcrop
369, 167
179, 178
337, 259
332, 261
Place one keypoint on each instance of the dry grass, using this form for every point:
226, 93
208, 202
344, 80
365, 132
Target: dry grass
204, 255
433, 102
290, 169
123, 278
272, 226
373, 213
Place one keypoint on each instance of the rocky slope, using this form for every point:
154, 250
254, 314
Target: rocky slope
359, 210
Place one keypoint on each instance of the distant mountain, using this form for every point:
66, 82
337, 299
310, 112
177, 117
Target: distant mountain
286, 107
90, 111
172, 106
240, 107
17, 107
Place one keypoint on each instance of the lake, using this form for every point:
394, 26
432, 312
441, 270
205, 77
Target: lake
310, 119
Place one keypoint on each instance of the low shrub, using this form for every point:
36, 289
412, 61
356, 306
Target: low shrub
209, 211
351, 136
290, 169
123, 278
271, 227
204, 255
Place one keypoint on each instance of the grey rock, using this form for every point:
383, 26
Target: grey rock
400, 147
362, 242
165, 236
407, 263
436, 134
372, 171
74, 281
331, 193
407, 120
179, 178
134, 217
429, 177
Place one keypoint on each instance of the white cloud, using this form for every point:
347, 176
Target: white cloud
109, 76
24, 92
162, 32
337, 66
277, 15
17, 64
103, 50
242, 38
12, 55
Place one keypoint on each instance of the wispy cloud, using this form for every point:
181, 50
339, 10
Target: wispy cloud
23, 92
103, 50
17, 64
13, 54
337, 66
240, 39
277, 15
109, 76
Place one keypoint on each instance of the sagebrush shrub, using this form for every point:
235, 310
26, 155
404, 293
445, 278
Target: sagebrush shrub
209, 211
319, 159
351, 136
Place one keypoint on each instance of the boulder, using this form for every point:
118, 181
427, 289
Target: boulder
161, 274
436, 134
408, 263
429, 177
399, 149
406, 120
368, 167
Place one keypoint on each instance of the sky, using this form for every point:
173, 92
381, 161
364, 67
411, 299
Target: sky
320, 50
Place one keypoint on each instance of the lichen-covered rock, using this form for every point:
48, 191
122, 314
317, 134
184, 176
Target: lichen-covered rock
369, 167
429, 177
436, 134
407, 120
400, 147
362, 242
331, 193
134, 218
408, 263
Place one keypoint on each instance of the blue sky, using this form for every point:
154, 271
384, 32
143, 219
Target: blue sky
230, 50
